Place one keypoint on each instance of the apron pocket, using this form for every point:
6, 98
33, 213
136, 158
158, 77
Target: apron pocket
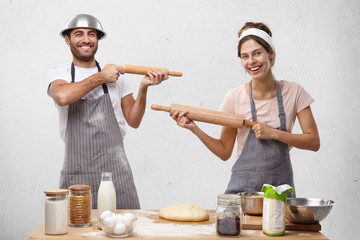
253, 180
72, 177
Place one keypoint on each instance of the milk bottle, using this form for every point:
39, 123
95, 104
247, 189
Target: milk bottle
106, 196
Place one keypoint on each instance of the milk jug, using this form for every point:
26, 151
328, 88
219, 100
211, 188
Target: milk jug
106, 196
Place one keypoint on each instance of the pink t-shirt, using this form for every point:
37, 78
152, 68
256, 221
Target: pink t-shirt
237, 101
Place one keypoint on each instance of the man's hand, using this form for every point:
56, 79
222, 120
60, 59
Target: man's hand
154, 77
110, 73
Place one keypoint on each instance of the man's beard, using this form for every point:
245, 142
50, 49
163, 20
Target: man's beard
79, 56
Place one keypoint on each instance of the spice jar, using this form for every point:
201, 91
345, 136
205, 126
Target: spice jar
56, 211
228, 221
80, 205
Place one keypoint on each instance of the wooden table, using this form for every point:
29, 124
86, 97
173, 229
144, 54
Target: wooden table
150, 226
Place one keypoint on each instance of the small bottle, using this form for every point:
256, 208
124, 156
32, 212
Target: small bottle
80, 205
56, 211
228, 217
106, 196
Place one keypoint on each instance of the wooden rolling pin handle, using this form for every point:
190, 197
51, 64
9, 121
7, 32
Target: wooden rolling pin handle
143, 70
120, 67
208, 116
175, 74
249, 123
160, 108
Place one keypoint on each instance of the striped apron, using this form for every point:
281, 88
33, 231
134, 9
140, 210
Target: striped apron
94, 144
262, 160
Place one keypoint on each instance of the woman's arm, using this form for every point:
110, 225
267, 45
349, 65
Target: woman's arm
222, 147
308, 140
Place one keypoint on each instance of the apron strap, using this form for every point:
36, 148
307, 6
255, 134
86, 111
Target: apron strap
252, 104
282, 115
104, 86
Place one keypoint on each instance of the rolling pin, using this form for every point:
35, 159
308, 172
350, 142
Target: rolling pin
207, 116
143, 70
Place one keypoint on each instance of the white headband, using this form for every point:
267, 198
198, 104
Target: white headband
259, 33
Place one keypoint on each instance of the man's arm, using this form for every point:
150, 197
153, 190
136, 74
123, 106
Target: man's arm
134, 109
65, 93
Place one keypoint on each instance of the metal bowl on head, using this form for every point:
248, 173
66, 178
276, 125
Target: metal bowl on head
252, 202
307, 210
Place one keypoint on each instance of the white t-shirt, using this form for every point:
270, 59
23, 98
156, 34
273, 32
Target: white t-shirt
116, 91
237, 101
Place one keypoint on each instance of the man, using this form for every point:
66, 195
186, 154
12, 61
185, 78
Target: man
93, 106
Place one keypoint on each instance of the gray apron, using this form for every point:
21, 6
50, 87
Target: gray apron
262, 160
94, 144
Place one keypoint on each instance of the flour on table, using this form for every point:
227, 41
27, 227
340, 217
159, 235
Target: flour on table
146, 227
94, 234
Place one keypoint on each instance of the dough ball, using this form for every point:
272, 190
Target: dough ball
184, 212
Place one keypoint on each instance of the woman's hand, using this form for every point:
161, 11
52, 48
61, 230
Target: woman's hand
309, 138
222, 147
183, 121
263, 131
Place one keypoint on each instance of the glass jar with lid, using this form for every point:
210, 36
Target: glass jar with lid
228, 215
80, 205
56, 211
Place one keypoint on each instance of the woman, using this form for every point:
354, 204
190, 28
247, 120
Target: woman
263, 150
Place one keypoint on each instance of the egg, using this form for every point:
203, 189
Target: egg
128, 218
109, 222
119, 218
105, 214
119, 229
117, 224
108, 230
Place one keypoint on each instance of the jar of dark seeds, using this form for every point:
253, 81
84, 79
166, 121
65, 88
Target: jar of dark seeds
228, 218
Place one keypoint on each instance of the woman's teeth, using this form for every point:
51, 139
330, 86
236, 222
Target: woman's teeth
254, 69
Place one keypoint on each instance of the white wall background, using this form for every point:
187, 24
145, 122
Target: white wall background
317, 46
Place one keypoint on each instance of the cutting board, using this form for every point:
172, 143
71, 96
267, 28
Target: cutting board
255, 223
249, 222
